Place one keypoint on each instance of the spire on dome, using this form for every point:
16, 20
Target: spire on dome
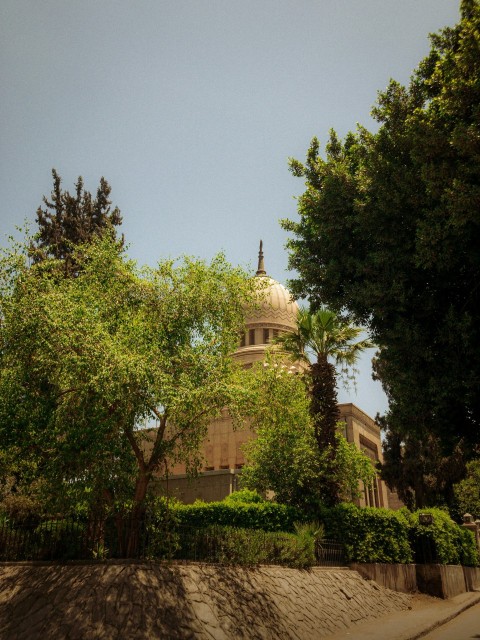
261, 266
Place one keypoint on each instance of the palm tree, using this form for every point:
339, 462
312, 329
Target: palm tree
333, 343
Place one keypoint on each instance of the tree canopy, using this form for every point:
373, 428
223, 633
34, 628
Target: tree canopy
389, 232
85, 362
467, 492
68, 220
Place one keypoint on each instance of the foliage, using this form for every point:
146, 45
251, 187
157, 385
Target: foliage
284, 456
269, 516
467, 492
419, 470
21, 508
389, 231
245, 496
443, 541
369, 535
85, 361
353, 469
328, 337
71, 220
61, 539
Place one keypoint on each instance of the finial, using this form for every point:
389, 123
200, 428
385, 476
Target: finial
261, 266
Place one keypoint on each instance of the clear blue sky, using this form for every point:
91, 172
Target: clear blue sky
190, 109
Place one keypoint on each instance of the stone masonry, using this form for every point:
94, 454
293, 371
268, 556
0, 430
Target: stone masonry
184, 602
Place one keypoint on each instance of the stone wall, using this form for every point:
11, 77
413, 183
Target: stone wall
441, 581
179, 602
399, 577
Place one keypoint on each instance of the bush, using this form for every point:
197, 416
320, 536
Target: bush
368, 534
443, 541
161, 528
268, 516
245, 496
246, 547
60, 539
21, 509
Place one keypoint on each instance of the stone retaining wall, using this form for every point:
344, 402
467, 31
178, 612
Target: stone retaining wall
441, 581
399, 577
179, 602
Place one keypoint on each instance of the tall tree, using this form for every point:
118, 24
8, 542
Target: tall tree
85, 361
284, 456
332, 342
389, 231
68, 220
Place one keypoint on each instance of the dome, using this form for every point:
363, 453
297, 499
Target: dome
276, 309
275, 313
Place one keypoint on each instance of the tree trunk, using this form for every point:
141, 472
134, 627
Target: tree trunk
137, 516
325, 414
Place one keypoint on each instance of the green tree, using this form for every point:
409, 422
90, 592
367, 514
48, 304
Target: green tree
389, 232
327, 337
467, 492
68, 220
284, 456
85, 361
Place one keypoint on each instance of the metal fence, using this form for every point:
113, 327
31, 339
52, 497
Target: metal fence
120, 537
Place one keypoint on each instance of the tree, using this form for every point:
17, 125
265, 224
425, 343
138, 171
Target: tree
70, 220
389, 233
328, 337
284, 456
85, 361
467, 492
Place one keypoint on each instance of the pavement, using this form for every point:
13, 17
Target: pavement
426, 614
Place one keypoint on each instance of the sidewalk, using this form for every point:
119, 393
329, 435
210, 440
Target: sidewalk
426, 614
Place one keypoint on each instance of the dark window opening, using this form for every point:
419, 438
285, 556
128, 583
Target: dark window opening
251, 336
266, 336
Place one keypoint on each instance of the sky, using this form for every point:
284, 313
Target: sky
191, 108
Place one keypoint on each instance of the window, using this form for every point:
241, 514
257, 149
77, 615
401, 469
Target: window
266, 336
251, 336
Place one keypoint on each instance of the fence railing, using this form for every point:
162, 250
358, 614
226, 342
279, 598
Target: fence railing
117, 537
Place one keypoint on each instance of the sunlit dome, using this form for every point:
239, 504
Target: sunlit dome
275, 313
277, 309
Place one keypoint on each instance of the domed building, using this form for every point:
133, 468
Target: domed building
275, 313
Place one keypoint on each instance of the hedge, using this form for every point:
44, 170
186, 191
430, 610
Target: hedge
368, 534
268, 516
443, 541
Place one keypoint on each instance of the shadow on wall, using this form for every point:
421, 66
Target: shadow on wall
89, 601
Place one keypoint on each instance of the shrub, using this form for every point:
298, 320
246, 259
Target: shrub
368, 534
247, 547
245, 496
161, 528
469, 555
443, 541
60, 539
269, 516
